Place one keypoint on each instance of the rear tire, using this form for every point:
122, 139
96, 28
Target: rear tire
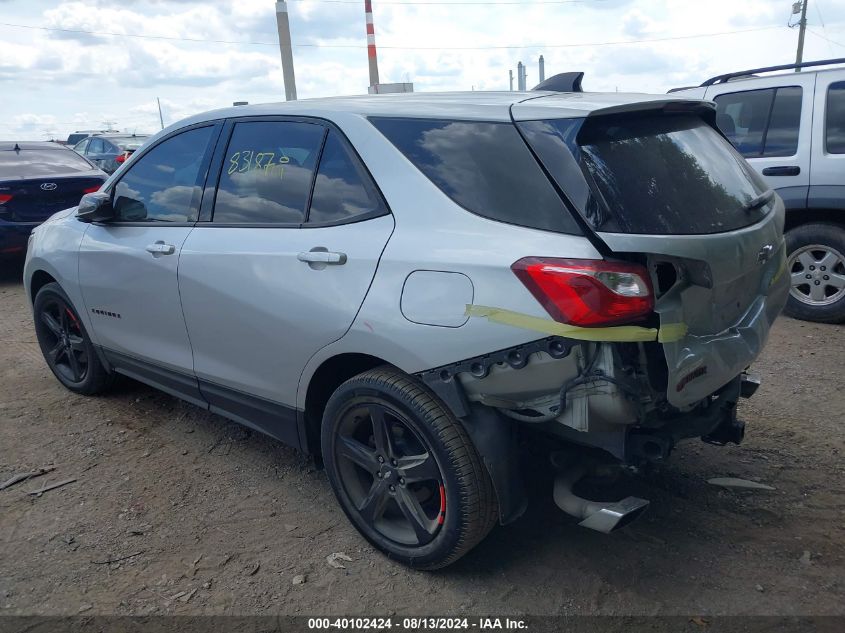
405, 471
816, 261
65, 344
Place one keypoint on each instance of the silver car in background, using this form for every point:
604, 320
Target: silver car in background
406, 285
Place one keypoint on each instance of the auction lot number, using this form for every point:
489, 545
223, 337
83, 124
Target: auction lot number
416, 624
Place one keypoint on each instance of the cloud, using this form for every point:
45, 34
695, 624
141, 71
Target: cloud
82, 79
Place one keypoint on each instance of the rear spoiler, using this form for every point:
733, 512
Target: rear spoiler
705, 109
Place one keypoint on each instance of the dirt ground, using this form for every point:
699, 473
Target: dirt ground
202, 516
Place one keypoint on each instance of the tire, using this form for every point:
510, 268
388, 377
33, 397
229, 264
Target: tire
437, 475
817, 257
65, 344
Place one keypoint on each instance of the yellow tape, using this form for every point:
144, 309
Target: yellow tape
672, 332
617, 334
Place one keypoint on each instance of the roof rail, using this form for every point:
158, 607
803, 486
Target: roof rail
720, 79
562, 82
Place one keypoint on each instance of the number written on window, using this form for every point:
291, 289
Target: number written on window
267, 172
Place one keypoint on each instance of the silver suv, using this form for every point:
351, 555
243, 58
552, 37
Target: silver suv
407, 285
791, 128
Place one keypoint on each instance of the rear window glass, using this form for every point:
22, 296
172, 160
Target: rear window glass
835, 119
342, 191
485, 167
761, 122
128, 143
657, 174
35, 163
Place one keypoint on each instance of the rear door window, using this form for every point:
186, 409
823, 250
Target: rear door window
835, 119
267, 172
483, 166
761, 122
343, 190
651, 174
164, 185
96, 146
35, 163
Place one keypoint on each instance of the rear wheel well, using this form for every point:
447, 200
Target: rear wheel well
328, 377
39, 280
797, 217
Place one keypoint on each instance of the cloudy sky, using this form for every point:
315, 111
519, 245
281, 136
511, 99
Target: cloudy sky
77, 64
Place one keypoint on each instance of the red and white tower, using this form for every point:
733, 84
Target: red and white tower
371, 43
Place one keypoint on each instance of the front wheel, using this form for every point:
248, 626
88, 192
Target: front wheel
65, 344
816, 263
404, 470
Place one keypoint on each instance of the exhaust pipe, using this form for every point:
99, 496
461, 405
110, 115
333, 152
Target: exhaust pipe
596, 515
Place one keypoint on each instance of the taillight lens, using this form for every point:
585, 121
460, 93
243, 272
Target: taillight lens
122, 157
91, 189
5, 197
586, 292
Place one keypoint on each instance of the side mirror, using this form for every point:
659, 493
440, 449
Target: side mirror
95, 207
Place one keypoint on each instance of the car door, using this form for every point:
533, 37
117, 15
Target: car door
96, 151
263, 285
827, 182
127, 267
81, 146
771, 126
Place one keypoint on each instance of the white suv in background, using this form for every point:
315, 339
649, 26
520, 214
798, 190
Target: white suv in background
791, 128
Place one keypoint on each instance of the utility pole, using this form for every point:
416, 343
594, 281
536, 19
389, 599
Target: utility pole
286, 49
371, 43
802, 27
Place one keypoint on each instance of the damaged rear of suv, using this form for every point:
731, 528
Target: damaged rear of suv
642, 346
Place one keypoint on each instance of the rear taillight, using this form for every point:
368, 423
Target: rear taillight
122, 158
91, 189
586, 292
5, 197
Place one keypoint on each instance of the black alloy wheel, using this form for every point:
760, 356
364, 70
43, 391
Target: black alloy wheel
390, 475
65, 343
65, 346
404, 469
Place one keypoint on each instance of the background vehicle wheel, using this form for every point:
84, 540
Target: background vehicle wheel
65, 343
816, 262
404, 470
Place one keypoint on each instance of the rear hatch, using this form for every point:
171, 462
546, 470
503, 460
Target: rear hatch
34, 183
656, 183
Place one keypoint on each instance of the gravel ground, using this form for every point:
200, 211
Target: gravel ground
201, 516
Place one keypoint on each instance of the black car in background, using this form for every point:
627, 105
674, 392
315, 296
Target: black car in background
109, 151
36, 181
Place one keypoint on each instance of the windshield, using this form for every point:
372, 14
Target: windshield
35, 163
655, 173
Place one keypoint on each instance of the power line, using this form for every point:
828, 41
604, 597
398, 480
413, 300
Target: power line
825, 38
409, 48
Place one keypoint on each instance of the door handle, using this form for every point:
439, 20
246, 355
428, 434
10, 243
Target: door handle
160, 248
319, 255
782, 170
